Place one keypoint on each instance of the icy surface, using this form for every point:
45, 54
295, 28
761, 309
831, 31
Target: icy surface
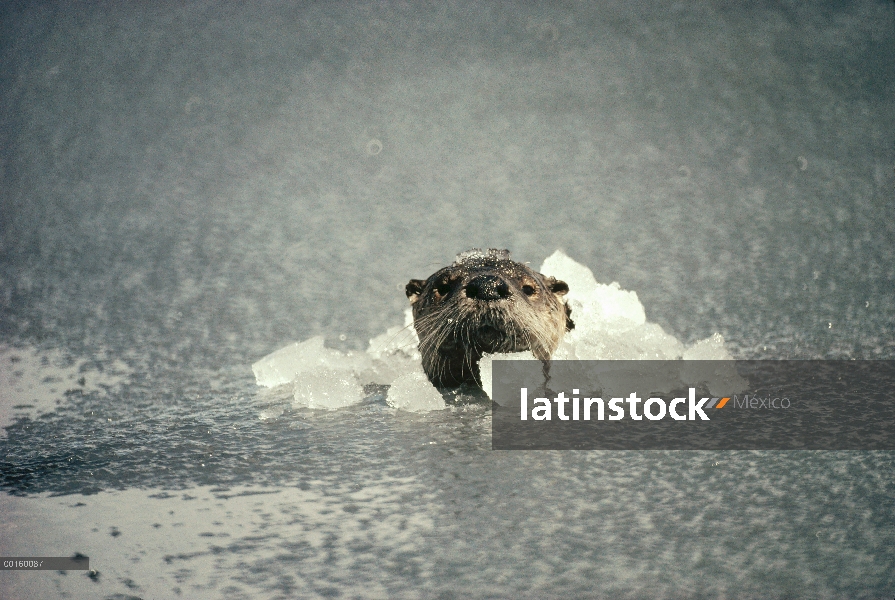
32, 383
155, 535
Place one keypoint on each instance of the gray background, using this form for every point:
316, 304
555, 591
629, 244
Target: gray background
189, 186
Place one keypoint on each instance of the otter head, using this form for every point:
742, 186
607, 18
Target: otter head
485, 302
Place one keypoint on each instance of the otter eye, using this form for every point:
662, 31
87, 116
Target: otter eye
443, 288
528, 290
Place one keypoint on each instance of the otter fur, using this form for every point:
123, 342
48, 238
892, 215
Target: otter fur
484, 302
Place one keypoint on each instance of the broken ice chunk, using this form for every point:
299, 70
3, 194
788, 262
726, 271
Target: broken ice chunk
486, 369
704, 366
327, 388
610, 323
415, 393
711, 348
600, 304
283, 365
401, 341
393, 353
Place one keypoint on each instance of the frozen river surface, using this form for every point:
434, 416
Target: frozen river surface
185, 189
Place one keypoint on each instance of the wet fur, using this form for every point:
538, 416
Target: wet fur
485, 302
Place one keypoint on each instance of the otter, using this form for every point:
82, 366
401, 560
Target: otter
485, 302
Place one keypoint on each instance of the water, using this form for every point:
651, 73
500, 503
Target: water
184, 190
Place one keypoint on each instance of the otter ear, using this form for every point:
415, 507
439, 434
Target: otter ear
414, 289
560, 288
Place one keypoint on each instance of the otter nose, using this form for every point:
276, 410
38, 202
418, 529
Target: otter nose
487, 287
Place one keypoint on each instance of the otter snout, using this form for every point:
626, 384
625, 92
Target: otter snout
487, 288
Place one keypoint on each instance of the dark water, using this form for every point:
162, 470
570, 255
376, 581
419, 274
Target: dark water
188, 187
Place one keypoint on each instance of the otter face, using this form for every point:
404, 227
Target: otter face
485, 302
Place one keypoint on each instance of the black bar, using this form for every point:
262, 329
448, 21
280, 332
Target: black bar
44, 563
